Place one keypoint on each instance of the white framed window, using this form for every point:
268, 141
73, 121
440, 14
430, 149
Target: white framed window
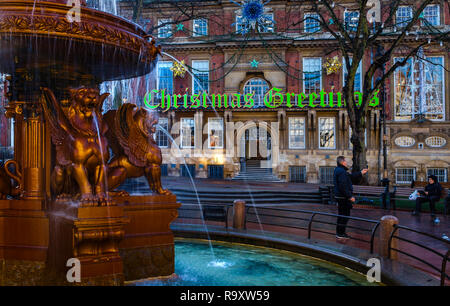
162, 139
200, 27
215, 133
296, 132
350, 133
405, 175
297, 174
431, 14
419, 89
327, 133
268, 24
405, 141
351, 20
435, 141
312, 74
259, 88
311, 23
165, 30
268, 27
239, 24
200, 81
440, 173
326, 175
403, 15
164, 77
358, 75
187, 132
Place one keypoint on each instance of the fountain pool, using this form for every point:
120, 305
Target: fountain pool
244, 265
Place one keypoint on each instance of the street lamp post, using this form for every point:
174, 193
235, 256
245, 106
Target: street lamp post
385, 180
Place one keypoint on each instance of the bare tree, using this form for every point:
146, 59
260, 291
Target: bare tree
383, 33
375, 28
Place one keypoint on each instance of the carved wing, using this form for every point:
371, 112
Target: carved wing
133, 142
59, 127
102, 99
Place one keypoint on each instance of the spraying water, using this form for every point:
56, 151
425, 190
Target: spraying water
108, 6
193, 186
102, 154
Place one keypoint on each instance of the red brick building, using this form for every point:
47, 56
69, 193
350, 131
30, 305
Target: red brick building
285, 55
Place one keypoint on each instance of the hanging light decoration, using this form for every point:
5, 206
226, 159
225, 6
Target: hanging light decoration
333, 65
254, 15
178, 69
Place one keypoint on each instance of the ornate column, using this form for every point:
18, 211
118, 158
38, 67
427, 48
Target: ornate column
312, 129
198, 145
33, 162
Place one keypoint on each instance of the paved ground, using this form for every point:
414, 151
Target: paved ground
210, 184
267, 220
325, 232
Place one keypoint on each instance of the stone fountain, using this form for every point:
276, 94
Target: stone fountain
58, 197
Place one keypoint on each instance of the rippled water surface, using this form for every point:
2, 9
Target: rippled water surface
241, 265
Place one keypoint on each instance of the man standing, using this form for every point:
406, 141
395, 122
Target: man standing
343, 191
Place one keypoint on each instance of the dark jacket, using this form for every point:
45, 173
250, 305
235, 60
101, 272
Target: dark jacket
343, 186
434, 190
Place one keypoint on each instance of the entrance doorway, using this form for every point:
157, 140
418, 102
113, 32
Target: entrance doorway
256, 144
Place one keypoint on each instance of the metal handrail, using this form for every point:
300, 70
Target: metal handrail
310, 225
311, 220
313, 214
445, 257
444, 266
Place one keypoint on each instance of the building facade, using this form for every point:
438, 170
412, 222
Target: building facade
299, 143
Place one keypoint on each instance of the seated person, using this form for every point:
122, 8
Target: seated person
432, 194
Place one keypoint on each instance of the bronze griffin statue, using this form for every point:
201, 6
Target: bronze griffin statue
135, 151
77, 132
83, 137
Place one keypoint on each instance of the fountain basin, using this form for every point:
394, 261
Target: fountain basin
41, 45
244, 265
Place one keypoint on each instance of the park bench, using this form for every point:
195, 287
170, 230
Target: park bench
402, 193
327, 194
216, 213
366, 194
362, 194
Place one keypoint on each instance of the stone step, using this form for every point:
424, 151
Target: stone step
255, 193
243, 195
247, 200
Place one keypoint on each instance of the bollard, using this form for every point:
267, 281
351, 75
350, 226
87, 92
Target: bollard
386, 227
239, 214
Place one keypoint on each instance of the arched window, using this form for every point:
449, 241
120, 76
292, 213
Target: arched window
259, 87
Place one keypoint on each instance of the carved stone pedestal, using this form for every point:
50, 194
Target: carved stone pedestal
90, 234
24, 239
131, 240
147, 249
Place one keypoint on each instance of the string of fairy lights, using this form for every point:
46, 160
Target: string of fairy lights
254, 17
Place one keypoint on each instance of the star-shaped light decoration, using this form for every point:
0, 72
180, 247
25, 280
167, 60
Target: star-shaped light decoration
333, 65
178, 69
180, 27
253, 15
254, 63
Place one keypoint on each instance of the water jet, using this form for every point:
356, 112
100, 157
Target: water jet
64, 205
